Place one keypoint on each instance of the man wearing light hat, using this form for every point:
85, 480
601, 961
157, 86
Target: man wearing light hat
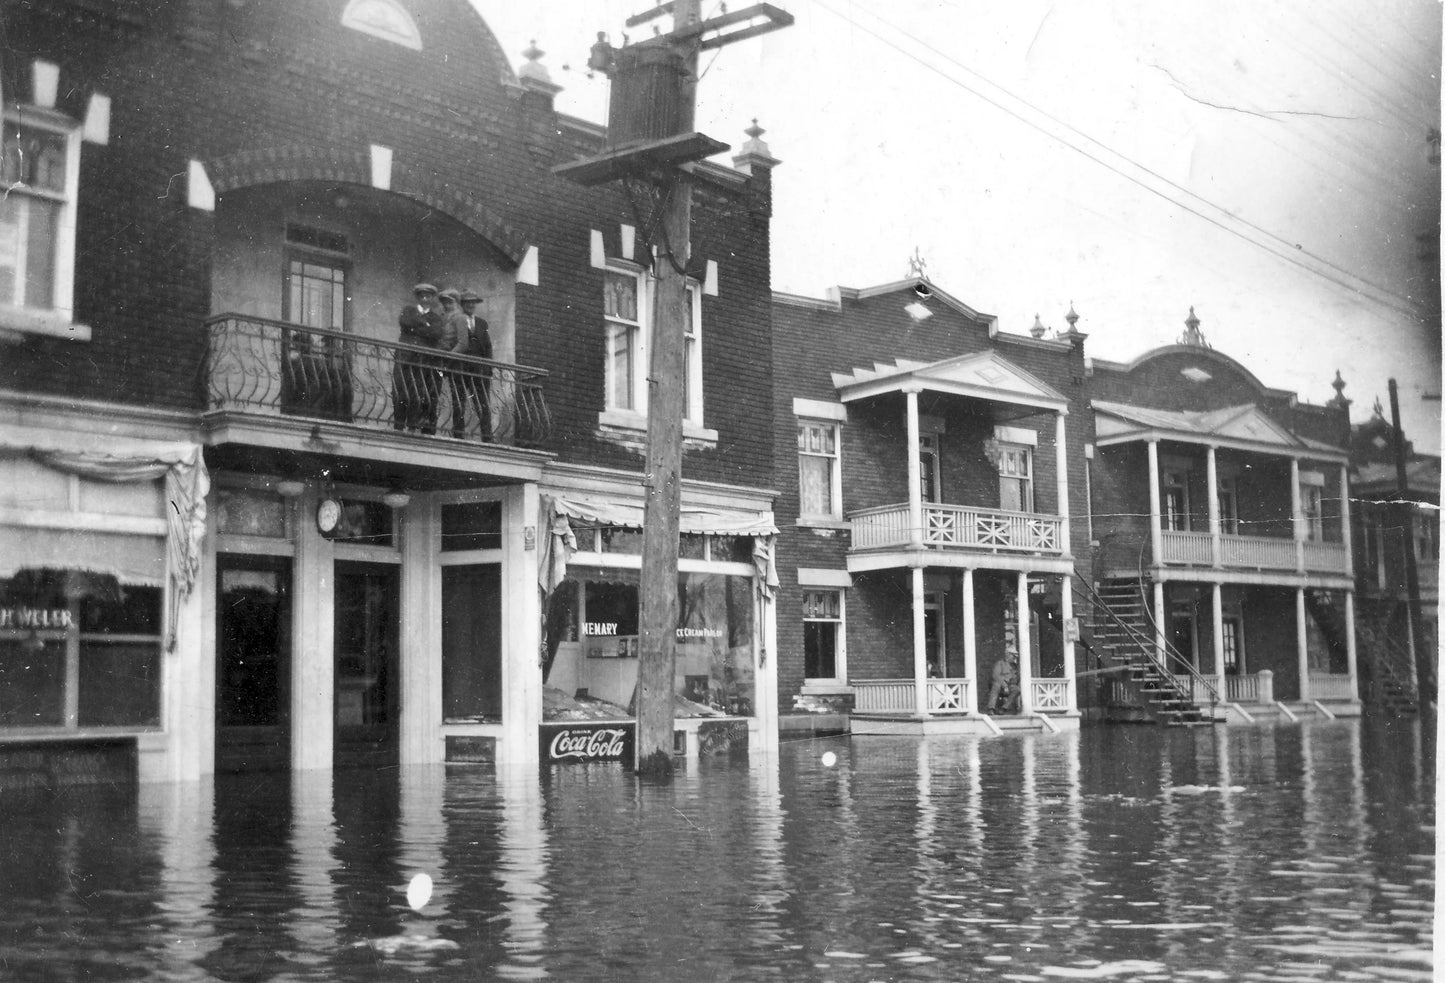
415, 383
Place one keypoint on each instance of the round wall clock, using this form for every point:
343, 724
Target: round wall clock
328, 515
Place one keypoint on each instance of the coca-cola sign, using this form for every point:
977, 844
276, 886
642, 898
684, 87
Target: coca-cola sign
564, 743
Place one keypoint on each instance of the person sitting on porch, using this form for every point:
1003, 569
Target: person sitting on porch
1003, 677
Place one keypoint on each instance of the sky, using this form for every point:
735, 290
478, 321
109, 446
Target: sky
1268, 164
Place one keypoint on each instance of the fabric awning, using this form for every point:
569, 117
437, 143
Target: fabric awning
691, 518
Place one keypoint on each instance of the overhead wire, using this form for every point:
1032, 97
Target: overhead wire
1273, 243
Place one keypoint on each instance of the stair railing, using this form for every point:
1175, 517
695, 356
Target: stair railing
1146, 645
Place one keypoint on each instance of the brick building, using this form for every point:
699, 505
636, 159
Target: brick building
929, 465
1391, 524
1221, 510
242, 525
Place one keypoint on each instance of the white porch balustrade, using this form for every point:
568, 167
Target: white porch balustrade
959, 527
1253, 552
1050, 695
1331, 686
945, 696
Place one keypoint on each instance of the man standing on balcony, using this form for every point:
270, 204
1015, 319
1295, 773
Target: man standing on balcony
415, 384
475, 387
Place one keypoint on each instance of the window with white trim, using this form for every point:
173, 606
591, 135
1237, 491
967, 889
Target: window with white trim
1015, 477
819, 470
40, 168
1233, 646
823, 635
692, 374
624, 308
1312, 503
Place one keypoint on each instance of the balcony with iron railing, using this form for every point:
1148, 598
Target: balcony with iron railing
263, 367
959, 527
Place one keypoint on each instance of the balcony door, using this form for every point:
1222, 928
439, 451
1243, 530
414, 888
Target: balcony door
315, 376
365, 642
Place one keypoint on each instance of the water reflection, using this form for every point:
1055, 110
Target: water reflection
1301, 852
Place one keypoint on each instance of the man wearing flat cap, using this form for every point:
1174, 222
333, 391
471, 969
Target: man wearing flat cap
415, 382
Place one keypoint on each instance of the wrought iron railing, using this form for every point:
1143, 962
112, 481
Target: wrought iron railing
959, 527
271, 367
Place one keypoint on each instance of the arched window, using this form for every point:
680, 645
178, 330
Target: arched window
383, 19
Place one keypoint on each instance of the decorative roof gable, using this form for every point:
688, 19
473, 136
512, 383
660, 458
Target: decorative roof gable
983, 375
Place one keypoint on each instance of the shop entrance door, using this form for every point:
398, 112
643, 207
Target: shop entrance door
365, 642
253, 663
472, 642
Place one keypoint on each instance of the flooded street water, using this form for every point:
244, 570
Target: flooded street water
1289, 853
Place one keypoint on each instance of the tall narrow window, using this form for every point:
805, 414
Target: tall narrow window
1016, 478
1427, 536
1312, 501
622, 311
818, 471
928, 467
1233, 647
822, 633
1176, 501
40, 171
692, 371
315, 379
1228, 506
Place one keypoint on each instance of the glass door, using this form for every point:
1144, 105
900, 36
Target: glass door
365, 642
253, 663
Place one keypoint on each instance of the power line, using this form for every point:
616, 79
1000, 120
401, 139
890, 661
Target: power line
1279, 246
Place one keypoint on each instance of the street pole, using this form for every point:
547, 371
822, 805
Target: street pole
662, 479
1405, 510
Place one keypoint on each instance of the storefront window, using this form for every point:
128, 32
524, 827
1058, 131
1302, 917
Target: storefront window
472, 526
250, 513
78, 650
593, 644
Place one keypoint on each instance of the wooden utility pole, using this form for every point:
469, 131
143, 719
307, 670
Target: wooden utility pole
654, 93
662, 478
1405, 512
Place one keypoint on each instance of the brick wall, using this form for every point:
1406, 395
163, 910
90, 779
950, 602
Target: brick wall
220, 82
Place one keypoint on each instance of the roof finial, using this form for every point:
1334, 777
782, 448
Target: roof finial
1038, 328
1073, 318
917, 265
1379, 409
1339, 387
1192, 335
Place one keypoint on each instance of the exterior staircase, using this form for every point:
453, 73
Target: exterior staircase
1137, 688
1386, 659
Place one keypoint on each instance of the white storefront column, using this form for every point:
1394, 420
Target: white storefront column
1212, 472
1302, 643
1156, 526
1350, 655
1061, 466
1025, 644
920, 653
765, 706
521, 628
313, 666
1066, 612
915, 477
970, 642
421, 739
188, 692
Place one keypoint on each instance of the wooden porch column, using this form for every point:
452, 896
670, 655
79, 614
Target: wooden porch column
1296, 508
920, 648
1301, 640
1346, 537
1066, 612
970, 642
915, 477
1025, 643
1350, 665
313, 666
1156, 531
1159, 622
1216, 596
1212, 471
1061, 465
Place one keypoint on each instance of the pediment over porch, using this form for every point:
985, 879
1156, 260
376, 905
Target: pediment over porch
983, 375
